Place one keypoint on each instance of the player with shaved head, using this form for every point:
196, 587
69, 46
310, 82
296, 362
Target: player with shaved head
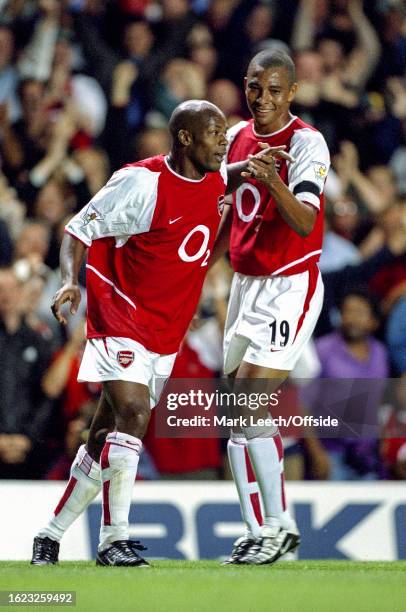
148, 234
274, 231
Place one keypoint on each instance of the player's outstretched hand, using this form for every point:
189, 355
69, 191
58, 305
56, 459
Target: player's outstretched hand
261, 166
67, 293
266, 151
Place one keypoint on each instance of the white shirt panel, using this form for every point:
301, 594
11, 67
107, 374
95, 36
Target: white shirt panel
310, 198
223, 172
123, 207
232, 133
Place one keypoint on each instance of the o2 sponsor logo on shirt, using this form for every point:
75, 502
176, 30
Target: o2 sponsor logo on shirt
251, 196
202, 251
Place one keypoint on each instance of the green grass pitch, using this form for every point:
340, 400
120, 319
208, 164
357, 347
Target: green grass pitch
204, 586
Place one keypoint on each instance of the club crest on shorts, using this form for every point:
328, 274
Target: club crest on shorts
125, 358
220, 204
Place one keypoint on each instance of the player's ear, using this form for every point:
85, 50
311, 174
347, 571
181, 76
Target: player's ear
184, 137
293, 91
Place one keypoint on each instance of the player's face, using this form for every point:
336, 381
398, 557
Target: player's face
269, 94
209, 144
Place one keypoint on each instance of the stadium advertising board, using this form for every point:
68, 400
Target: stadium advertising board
200, 520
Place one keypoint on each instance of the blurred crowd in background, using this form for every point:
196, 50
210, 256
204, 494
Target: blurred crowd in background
87, 86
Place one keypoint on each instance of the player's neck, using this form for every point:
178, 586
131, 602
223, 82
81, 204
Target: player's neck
184, 167
275, 126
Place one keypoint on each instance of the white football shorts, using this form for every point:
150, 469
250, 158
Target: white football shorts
125, 359
271, 318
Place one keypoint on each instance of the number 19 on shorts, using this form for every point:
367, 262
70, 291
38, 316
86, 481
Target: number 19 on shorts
279, 333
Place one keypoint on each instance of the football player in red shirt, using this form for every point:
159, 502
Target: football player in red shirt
149, 233
274, 231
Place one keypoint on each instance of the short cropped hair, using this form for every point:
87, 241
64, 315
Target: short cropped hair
274, 57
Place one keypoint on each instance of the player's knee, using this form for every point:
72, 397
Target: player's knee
96, 441
260, 431
133, 417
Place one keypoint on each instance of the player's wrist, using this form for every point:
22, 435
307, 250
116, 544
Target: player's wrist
70, 283
274, 183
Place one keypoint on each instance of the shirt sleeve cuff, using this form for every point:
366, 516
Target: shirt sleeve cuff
82, 240
309, 198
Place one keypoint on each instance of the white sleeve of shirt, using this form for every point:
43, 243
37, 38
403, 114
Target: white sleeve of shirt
123, 207
308, 173
223, 172
232, 133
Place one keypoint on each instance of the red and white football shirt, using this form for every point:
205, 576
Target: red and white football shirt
262, 243
150, 233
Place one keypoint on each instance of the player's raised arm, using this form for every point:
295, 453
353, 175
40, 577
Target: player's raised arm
71, 258
300, 215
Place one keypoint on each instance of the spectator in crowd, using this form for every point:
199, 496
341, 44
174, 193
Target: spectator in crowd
77, 402
131, 91
93, 162
202, 50
12, 213
248, 24
396, 332
23, 143
6, 246
180, 80
8, 75
226, 96
337, 283
25, 412
353, 352
152, 141
338, 252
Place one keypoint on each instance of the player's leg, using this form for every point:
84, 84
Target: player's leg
294, 307
83, 486
130, 402
278, 315
244, 479
278, 533
235, 346
248, 492
102, 423
248, 495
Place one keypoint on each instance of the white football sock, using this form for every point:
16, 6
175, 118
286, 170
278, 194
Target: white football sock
266, 456
247, 488
83, 486
119, 462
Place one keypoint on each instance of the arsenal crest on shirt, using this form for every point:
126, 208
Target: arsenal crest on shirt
220, 204
125, 358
